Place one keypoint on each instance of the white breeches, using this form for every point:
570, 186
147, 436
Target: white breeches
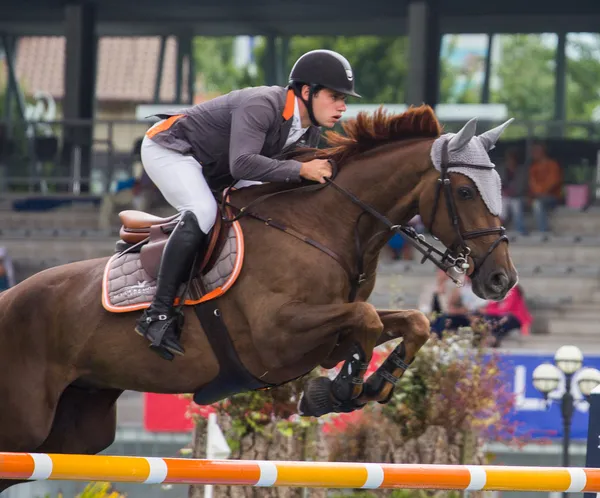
180, 180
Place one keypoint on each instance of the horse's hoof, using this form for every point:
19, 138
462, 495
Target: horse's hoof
316, 398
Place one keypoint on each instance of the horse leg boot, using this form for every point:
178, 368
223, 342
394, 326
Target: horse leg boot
413, 326
309, 326
161, 323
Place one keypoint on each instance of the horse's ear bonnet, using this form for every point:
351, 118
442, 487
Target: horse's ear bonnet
467, 149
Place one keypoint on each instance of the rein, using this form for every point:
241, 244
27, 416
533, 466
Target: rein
443, 260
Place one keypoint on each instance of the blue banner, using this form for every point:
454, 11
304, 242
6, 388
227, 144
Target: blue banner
536, 417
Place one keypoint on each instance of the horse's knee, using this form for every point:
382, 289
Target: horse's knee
25, 435
25, 421
102, 440
420, 327
369, 318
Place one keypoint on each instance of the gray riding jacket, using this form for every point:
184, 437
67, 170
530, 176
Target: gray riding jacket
236, 136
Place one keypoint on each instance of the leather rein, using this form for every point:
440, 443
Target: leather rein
443, 260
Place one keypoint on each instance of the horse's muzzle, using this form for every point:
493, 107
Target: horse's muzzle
496, 284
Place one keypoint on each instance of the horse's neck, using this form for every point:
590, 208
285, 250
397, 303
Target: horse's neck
385, 179
388, 180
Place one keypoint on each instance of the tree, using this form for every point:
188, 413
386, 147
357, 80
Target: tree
379, 62
458, 85
525, 77
215, 65
523, 74
583, 76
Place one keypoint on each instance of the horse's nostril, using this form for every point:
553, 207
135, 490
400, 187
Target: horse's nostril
499, 280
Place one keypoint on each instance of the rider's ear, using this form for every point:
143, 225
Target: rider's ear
305, 91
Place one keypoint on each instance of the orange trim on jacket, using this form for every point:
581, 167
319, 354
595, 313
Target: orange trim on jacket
290, 103
165, 125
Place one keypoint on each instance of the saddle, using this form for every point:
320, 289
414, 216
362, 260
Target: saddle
129, 281
148, 234
129, 285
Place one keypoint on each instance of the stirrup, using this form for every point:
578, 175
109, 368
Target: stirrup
160, 336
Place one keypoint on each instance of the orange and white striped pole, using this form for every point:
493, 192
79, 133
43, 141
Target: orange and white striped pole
150, 470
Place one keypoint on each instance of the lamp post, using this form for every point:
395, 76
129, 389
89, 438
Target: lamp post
546, 378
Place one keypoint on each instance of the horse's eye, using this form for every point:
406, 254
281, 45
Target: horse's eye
465, 193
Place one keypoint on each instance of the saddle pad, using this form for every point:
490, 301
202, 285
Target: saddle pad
126, 286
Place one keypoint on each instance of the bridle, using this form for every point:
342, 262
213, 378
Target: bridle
460, 247
454, 258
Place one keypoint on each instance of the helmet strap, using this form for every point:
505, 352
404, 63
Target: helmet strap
308, 103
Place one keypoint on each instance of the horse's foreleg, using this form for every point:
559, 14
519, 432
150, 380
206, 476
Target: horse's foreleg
413, 326
361, 325
85, 421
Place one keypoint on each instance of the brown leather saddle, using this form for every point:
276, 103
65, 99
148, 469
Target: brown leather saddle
148, 234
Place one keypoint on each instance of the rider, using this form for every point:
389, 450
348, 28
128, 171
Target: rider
193, 153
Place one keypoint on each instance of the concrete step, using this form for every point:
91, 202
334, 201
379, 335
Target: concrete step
538, 249
50, 219
564, 220
550, 343
74, 250
550, 254
580, 288
574, 327
575, 312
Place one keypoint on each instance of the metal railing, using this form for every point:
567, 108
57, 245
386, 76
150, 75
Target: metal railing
63, 156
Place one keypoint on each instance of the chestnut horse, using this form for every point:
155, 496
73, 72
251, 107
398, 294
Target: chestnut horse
65, 359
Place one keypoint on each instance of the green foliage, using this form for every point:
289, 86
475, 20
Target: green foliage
253, 412
95, 490
377, 60
214, 64
452, 385
380, 63
524, 75
469, 91
396, 493
583, 74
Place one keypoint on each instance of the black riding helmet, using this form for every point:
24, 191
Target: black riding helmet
322, 69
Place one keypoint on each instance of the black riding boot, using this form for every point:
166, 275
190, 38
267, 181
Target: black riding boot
161, 322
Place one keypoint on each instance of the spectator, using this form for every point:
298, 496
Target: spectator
509, 314
545, 185
7, 277
433, 299
454, 316
514, 190
399, 247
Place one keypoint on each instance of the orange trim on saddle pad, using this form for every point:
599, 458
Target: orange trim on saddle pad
219, 291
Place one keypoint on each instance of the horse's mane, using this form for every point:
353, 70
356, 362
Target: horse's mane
368, 131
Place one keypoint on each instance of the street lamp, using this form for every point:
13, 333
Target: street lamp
546, 378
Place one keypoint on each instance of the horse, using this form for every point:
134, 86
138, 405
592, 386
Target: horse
300, 299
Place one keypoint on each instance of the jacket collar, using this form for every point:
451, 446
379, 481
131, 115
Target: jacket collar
287, 115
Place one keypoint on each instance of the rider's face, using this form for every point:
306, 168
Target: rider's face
328, 106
